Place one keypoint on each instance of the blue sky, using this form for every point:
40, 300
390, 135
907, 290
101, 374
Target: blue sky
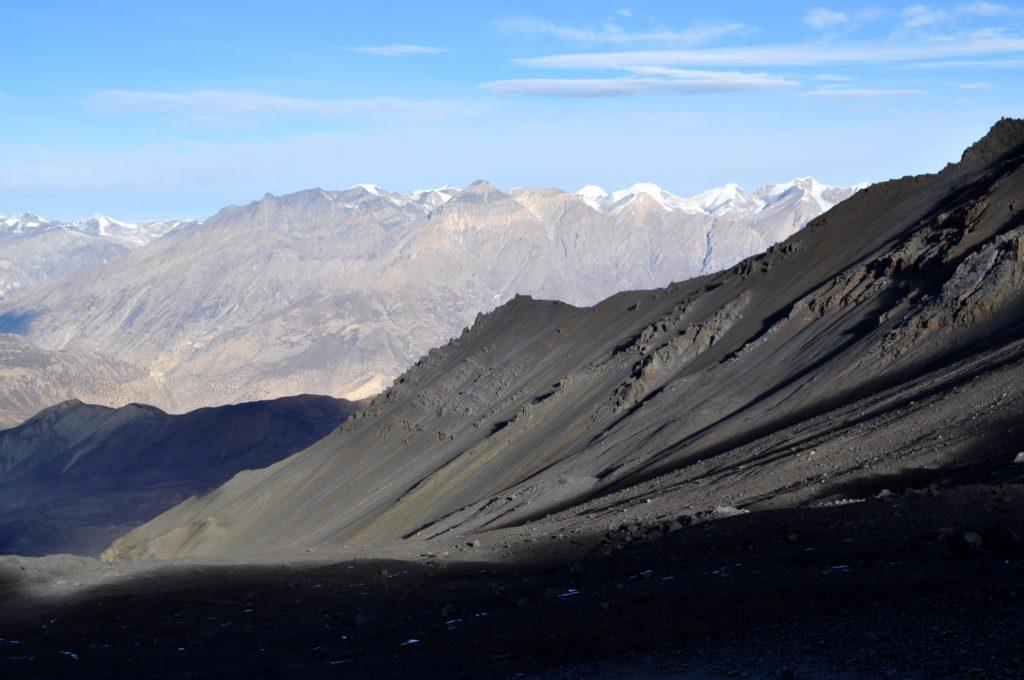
175, 109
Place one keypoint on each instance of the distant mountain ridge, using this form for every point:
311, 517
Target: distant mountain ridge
337, 292
34, 250
132, 234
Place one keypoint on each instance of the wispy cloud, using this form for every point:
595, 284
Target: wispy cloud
831, 78
972, 86
612, 33
860, 93
919, 16
802, 54
214, 104
822, 18
986, 9
396, 50
675, 81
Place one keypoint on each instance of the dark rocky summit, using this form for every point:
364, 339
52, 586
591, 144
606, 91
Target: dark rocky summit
75, 476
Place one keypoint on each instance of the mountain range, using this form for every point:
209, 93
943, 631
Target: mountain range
881, 344
337, 292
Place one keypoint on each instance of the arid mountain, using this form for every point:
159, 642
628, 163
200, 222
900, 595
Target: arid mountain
883, 343
33, 376
75, 476
338, 292
34, 250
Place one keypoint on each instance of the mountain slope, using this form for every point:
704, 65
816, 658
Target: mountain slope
34, 251
337, 292
75, 476
32, 376
883, 341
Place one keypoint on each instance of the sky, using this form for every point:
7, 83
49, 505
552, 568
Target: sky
148, 110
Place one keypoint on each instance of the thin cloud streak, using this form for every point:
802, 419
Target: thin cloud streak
681, 83
227, 103
860, 93
397, 50
806, 54
612, 33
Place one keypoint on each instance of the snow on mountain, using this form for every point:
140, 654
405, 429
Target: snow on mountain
11, 224
724, 199
100, 226
34, 250
727, 198
432, 198
594, 196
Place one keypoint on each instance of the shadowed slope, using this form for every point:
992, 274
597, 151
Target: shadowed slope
75, 476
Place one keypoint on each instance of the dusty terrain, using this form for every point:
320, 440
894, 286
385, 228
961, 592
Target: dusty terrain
887, 587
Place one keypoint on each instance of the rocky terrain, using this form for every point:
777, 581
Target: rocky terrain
75, 476
34, 377
337, 292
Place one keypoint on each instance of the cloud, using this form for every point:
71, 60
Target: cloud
653, 80
801, 54
919, 16
821, 18
985, 9
831, 78
972, 86
214, 104
611, 33
860, 93
624, 12
397, 50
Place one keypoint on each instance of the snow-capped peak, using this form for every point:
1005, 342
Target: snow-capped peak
107, 226
592, 191
11, 224
807, 189
666, 200
594, 196
428, 199
368, 188
726, 198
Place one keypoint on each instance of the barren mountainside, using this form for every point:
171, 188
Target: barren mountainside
884, 342
337, 292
